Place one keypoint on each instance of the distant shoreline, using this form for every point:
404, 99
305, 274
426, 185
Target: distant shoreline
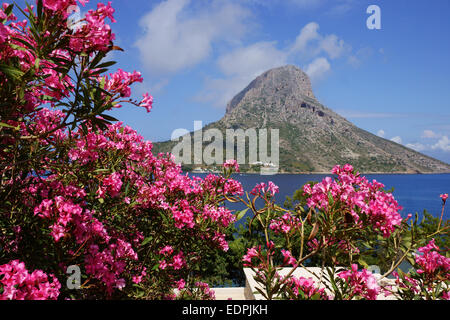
328, 173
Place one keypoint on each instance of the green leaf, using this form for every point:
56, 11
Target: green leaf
241, 214
11, 72
363, 263
97, 59
330, 199
146, 240
109, 118
9, 126
106, 64
25, 43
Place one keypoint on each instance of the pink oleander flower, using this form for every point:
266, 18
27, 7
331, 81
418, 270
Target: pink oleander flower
120, 81
18, 284
286, 224
95, 34
147, 102
446, 295
163, 264
359, 197
231, 163
138, 279
58, 5
4, 33
178, 261
307, 287
251, 253
180, 284
219, 238
431, 262
206, 291
288, 258
262, 188
362, 283
111, 186
167, 250
444, 197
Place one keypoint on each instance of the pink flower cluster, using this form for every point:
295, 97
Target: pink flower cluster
177, 261
286, 224
109, 264
221, 215
18, 284
431, 262
362, 283
120, 81
205, 291
262, 189
111, 185
288, 258
357, 196
251, 253
147, 102
61, 6
95, 34
5, 31
231, 163
306, 288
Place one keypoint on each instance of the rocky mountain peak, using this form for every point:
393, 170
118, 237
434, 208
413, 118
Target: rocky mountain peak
286, 81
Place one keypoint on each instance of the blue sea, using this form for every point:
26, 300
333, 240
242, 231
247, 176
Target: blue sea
414, 192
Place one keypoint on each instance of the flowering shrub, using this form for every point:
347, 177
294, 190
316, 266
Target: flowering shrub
78, 189
430, 278
340, 222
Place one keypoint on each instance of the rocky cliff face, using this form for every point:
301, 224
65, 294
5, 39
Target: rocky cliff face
274, 85
313, 138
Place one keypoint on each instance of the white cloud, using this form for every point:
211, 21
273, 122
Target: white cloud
443, 144
397, 139
176, 38
430, 134
307, 34
334, 46
381, 133
252, 60
240, 67
310, 43
317, 69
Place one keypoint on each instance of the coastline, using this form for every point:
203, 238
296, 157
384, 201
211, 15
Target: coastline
326, 173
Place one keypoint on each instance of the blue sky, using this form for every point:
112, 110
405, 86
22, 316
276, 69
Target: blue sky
196, 55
